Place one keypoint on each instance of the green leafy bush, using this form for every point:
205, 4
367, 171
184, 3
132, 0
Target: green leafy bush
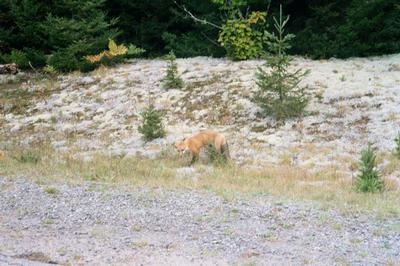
152, 126
172, 80
278, 92
397, 148
18, 57
243, 38
368, 179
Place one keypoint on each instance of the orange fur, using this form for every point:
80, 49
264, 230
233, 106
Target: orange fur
194, 144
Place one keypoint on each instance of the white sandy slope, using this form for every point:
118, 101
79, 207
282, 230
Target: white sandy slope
353, 102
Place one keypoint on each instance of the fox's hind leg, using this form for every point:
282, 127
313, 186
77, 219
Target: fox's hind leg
225, 151
218, 146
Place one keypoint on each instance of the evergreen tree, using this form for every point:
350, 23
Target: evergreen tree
68, 29
152, 126
172, 80
348, 28
79, 28
159, 26
279, 94
368, 180
371, 28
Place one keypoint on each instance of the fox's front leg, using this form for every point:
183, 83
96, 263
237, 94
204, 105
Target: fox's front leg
193, 159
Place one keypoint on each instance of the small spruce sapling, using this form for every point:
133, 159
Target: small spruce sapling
152, 126
172, 80
279, 94
397, 148
368, 179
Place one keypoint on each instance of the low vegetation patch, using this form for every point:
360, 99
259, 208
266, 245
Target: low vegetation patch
16, 98
215, 157
51, 190
286, 181
27, 157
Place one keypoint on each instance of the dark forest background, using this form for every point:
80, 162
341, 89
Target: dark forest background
71, 29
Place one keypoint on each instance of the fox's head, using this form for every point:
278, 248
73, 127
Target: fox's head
180, 147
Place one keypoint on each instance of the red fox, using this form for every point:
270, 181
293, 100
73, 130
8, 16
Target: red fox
201, 139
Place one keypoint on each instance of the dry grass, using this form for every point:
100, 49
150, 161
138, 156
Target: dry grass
15, 97
288, 182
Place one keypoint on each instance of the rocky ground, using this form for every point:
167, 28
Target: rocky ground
98, 224
353, 102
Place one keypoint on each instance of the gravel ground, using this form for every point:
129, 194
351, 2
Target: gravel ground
97, 224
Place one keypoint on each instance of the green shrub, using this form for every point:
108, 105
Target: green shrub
152, 126
25, 58
279, 94
172, 80
36, 57
85, 66
134, 51
214, 156
63, 61
18, 57
49, 70
368, 179
243, 38
397, 148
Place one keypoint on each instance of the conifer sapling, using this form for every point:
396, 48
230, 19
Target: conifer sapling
278, 92
172, 80
368, 179
152, 126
